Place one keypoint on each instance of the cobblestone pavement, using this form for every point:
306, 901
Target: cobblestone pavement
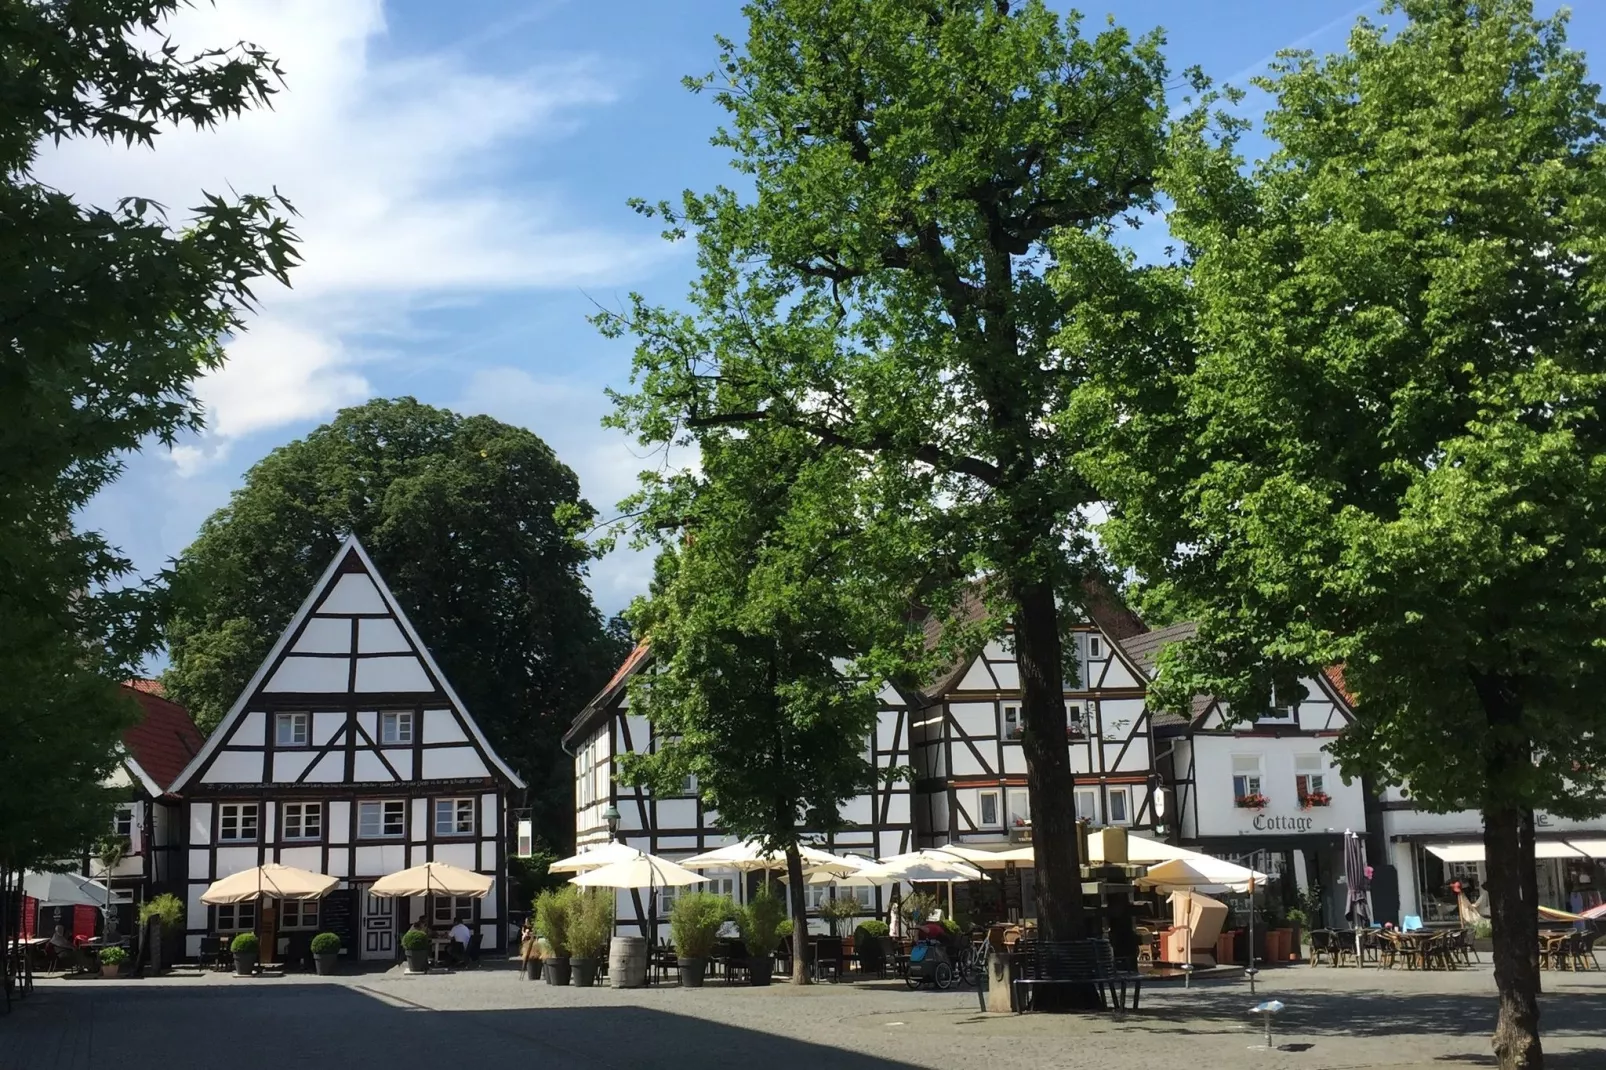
1334, 1020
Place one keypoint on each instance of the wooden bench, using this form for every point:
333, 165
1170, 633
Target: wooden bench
1041, 963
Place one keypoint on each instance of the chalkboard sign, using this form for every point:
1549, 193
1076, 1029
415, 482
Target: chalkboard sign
336, 916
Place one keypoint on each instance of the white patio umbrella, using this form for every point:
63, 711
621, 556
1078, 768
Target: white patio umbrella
597, 857
748, 856
931, 866
982, 858
432, 878
272, 879
648, 871
65, 890
1201, 871
1141, 850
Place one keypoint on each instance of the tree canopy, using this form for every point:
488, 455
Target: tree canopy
882, 290
767, 640
1374, 435
474, 525
108, 313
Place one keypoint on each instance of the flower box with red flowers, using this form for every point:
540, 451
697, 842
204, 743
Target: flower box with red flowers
1315, 798
1253, 801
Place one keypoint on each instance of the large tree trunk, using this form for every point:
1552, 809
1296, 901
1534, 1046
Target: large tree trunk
1508, 846
1049, 781
800, 915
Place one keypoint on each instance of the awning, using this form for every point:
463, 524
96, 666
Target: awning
1593, 848
1473, 852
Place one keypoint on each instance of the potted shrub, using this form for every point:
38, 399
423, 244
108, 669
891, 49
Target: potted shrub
554, 911
590, 929
760, 925
244, 947
1300, 924
694, 924
326, 952
415, 943
111, 960
160, 918
870, 941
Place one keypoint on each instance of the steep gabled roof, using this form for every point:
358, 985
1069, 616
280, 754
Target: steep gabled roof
164, 740
354, 583
1143, 650
587, 717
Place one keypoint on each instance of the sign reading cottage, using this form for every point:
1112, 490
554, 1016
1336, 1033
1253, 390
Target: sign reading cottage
348, 754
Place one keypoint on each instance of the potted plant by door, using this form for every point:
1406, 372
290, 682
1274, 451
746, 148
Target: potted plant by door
162, 918
590, 929
244, 947
1299, 923
415, 944
325, 953
554, 911
760, 925
111, 960
694, 923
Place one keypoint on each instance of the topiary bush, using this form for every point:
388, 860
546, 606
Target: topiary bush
873, 928
413, 940
244, 944
329, 944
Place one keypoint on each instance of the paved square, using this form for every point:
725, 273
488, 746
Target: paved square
1335, 1020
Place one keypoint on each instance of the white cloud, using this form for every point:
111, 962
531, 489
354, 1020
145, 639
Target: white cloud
397, 167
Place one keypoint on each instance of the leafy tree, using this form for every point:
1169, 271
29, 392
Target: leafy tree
766, 644
107, 314
1386, 446
882, 291
473, 524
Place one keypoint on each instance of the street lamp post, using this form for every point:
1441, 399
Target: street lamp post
611, 816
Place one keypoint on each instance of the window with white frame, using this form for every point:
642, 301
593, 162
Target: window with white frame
1120, 805
1310, 779
123, 822
236, 917
1095, 647
301, 821
589, 787
449, 910
1013, 725
688, 785
237, 822
381, 819
1246, 778
298, 914
819, 894
1087, 805
1020, 809
989, 809
454, 817
1281, 708
396, 727
719, 883
291, 729
1075, 719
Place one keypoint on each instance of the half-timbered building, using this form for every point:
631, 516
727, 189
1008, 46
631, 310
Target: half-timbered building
349, 754
1260, 788
875, 824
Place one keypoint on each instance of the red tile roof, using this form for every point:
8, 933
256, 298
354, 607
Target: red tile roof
1335, 676
165, 739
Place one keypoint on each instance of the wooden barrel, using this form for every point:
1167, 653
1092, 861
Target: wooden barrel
627, 962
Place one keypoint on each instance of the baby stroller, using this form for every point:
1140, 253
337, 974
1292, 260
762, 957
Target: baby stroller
929, 962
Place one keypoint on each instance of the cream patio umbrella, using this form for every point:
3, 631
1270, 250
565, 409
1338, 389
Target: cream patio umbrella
1201, 871
271, 879
432, 878
748, 856
931, 866
1141, 850
649, 872
982, 858
597, 857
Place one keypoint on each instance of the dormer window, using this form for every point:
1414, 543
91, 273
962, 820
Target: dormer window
291, 729
1279, 710
1095, 648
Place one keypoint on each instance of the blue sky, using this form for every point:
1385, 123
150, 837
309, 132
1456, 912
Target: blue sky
462, 171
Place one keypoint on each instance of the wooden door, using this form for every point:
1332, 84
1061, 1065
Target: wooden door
376, 921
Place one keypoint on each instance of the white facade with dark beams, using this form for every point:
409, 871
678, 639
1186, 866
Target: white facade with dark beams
877, 824
348, 754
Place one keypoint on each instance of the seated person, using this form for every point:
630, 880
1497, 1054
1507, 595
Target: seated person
61, 949
461, 935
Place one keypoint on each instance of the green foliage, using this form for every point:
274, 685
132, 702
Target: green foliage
415, 940
167, 906
880, 293
916, 907
555, 911
1482, 930
246, 943
113, 956
785, 929
329, 943
111, 312
695, 921
838, 912
1298, 917
528, 877
475, 525
760, 921
591, 923
873, 929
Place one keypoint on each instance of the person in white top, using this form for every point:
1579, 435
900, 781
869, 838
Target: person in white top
461, 935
